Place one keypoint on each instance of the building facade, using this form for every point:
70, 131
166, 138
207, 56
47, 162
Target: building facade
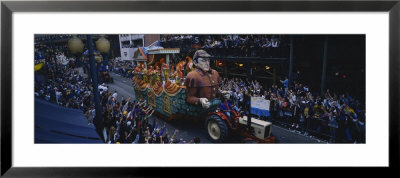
129, 44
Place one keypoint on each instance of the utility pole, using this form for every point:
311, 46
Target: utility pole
323, 78
290, 61
98, 121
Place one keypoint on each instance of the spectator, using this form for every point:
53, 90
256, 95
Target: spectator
285, 83
115, 94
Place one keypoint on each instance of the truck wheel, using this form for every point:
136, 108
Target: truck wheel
216, 128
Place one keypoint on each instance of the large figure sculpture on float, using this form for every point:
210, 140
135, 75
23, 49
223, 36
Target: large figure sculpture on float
202, 83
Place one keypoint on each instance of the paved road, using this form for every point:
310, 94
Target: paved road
283, 135
188, 129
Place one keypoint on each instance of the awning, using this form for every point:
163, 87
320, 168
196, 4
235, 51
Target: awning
58, 124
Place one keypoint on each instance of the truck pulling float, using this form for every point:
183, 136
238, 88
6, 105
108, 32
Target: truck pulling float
162, 88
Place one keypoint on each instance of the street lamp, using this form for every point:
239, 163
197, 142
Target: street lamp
75, 46
103, 46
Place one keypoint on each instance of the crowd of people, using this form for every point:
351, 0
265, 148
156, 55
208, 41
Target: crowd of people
228, 45
124, 120
336, 118
128, 121
66, 88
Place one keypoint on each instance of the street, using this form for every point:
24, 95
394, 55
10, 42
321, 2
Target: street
188, 130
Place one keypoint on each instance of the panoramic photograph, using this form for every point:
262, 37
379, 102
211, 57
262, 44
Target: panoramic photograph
199, 88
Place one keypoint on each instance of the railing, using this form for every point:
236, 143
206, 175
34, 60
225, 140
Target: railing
267, 52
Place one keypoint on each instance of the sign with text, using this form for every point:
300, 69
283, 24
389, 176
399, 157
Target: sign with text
259, 106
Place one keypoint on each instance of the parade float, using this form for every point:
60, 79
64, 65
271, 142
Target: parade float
162, 87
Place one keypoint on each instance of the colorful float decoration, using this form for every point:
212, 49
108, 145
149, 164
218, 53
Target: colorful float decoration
163, 88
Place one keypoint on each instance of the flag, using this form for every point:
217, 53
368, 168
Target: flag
38, 66
259, 106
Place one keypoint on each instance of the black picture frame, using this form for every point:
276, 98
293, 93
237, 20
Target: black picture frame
8, 7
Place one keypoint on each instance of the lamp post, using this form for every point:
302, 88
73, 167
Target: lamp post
103, 46
98, 120
290, 61
75, 46
323, 76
